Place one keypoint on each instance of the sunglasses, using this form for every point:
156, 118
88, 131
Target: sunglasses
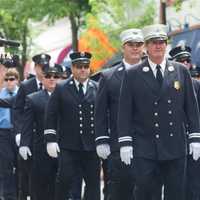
9, 79
80, 66
48, 76
184, 60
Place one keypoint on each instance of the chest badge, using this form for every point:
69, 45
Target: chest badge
177, 85
145, 69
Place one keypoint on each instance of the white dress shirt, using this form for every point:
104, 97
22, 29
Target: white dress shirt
153, 67
84, 85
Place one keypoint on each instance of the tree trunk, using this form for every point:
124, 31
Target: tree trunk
24, 50
74, 30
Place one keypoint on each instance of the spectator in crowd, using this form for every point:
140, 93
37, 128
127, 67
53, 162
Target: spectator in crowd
7, 148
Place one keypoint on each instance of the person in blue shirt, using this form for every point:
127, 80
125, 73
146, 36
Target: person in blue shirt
7, 152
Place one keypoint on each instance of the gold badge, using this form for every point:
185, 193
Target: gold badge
177, 85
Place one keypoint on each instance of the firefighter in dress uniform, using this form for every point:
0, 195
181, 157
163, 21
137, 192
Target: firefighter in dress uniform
182, 54
27, 87
156, 96
71, 107
44, 168
120, 184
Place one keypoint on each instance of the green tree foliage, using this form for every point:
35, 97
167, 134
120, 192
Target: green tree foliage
115, 16
74, 9
14, 15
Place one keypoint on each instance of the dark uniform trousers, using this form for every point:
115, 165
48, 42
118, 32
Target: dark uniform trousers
73, 118
157, 118
44, 170
7, 166
72, 163
121, 182
147, 174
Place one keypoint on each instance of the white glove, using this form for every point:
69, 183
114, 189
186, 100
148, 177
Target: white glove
126, 154
17, 139
195, 150
24, 152
103, 151
53, 149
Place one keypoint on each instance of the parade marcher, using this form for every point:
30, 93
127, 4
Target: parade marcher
27, 87
44, 168
156, 96
195, 73
71, 106
120, 184
182, 54
7, 145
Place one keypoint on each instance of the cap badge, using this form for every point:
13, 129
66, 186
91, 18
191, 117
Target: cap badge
177, 85
120, 68
82, 54
145, 69
43, 56
171, 68
183, 47
51, 65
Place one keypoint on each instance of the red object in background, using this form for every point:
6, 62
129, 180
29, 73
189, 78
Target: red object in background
170, 2
63, 54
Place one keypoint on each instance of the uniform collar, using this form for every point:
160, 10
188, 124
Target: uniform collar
153, 65
127, 65
84, 84
38, 82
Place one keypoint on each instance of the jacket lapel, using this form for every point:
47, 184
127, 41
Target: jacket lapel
89, 91
72, 88
148, 76
170, 76
120, 71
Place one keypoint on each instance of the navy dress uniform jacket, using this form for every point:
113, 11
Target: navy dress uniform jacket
156, 116
76, 116
27, 87
106, 108
34, 112
43, 167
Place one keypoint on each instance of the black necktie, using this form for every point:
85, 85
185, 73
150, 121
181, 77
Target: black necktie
159, 76
40, 86
80, 91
